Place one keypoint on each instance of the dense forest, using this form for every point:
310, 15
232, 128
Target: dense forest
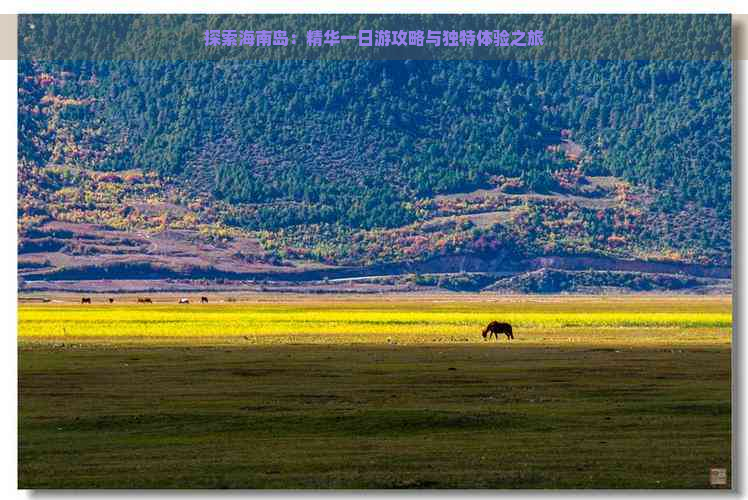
312, 155
327, 134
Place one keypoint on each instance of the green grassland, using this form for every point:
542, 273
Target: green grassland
612, 392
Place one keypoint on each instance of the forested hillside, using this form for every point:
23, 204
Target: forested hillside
361, 163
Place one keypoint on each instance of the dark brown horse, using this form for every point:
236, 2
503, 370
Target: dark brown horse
495, 328
86, 300
203, 300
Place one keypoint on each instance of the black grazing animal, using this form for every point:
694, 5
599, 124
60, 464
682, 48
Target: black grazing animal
495, 328
111, 300
86, 300
203, 300
144, 300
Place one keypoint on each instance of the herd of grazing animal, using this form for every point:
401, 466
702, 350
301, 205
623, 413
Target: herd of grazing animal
146, 300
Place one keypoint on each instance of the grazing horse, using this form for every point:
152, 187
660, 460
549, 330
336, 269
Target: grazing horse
111, 300
86, 300
144, 300
184, 301
495, 328
203, 300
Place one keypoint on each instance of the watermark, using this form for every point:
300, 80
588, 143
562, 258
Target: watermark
717, 477
383, 37
377, 38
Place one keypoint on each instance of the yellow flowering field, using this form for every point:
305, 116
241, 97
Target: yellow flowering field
637, 320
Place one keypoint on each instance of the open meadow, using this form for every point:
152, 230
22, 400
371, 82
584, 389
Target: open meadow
374, 392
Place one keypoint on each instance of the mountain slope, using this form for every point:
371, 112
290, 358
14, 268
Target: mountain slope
316, 165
